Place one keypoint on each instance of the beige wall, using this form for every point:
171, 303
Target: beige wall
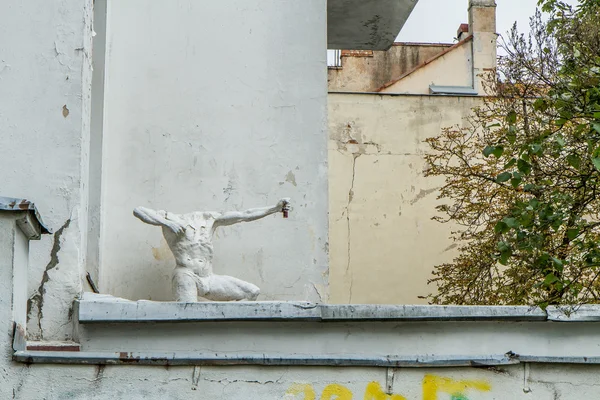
363, 71
452, 69
383, 244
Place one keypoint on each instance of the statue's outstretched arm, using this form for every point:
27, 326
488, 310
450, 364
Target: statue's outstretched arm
252, 214
154, 217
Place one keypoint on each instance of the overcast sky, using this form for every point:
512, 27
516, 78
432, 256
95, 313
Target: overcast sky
437, 20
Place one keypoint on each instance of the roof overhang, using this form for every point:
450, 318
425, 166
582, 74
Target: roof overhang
366, 24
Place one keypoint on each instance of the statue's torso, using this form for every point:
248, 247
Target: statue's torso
193, 248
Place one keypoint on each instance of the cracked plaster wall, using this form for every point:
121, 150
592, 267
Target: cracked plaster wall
45, 75
195, 121
383, 244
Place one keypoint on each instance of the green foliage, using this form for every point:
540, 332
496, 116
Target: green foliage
523, 178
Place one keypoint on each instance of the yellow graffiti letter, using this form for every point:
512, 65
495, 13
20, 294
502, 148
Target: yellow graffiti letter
432, 385
375, 392
300, 388
340, 392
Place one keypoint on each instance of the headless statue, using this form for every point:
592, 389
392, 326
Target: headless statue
189, 237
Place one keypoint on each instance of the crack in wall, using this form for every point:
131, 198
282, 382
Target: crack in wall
227, 381
23, 375
38, 298
350, 198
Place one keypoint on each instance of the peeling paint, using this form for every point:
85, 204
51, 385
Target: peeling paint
422, 193
291, 178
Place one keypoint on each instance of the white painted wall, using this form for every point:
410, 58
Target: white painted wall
545, 382
216, 106
45, 77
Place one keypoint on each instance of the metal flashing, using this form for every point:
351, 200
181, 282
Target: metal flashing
14, 204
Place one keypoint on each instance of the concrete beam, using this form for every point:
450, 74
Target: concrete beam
366, 24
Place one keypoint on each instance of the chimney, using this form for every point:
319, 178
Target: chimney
482, 25
482, 16
462, 32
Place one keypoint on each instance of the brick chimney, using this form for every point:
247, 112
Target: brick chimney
462, 32
482, 25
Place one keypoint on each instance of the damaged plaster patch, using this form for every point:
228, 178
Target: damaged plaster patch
291, 178
422, 194
231, 184
3, 66
348, 138
38, 298
65, 111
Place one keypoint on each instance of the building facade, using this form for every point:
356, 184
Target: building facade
158, 122
382, 107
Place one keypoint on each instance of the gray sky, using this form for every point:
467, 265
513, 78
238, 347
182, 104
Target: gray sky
437, 20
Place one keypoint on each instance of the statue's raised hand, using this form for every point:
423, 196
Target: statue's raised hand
284, 204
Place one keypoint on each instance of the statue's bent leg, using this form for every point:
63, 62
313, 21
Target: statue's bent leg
185, 286
228, 288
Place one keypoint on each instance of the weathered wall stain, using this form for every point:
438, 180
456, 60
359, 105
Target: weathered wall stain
365, 71
422, 193
162, 252
291, 178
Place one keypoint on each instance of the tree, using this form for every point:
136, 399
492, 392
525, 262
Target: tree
522, 178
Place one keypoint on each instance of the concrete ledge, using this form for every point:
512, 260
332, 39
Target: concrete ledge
583, 313
374, 312
366, 24
103, 309
118, 331
93, 308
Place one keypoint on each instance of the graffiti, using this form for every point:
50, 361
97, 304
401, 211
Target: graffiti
338, 392
374, 392
432, 387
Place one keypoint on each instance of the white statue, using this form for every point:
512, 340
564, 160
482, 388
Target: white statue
189, 237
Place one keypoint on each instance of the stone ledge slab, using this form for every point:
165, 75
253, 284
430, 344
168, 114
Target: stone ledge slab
94, 308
